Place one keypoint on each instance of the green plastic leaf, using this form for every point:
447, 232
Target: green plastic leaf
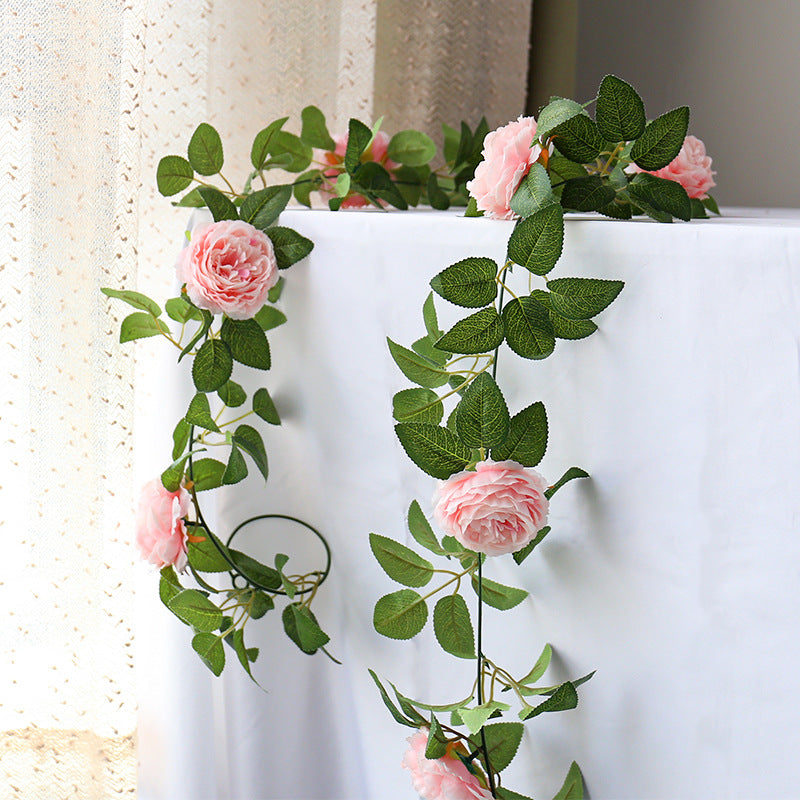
232, 394
302, 628
168, 585
173, 175
205, 150
499, 596
417, 405
269, 317
453, 626
619, 112
482, 417
529, 332
562, 169
315, 131
399, 562
662, 139
218, 204
393, 710
652, 192
578, 139
209, 648
536, 242
283, 143
416, 368
540, 667
191, 199
526, 442
412, 148
181, 310
557, 111
572, 788
400, 615
471, 283
255, 572
616, 210
139, 326
429, 317
212, 366
409, 182
502, 742
241, 650
205, 556
358, 138
421, 530
437, 743
236, 469
426, 348
260, 604
281, 559
135, 299
375, 182
437, 198
582, 298
199, 413
172, 476
563, 699
698, 209
433, 449
305, 184
247, 342
289, 245
263, 207
522, 554
587, 194
508, 794
263, 141
475, 718
264, 407
207, 474
571, 474
249, 439
180, 438
208, 319
533, 193
711, 204
342, 186
275, 292
195, 609
480, 332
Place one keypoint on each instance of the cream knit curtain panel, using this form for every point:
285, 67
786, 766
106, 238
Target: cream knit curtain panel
92, 94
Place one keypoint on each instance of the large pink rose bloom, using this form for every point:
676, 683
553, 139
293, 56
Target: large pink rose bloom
443, 778
507, 157
160, 529
228, 268
495, 510
691, 168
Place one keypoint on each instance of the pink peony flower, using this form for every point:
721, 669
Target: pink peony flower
495, 510
160, 529
508, 154
443, 778
228, 268
691, 168
377, 151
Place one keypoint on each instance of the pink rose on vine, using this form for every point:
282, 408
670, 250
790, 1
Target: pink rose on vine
160, 528
691, 168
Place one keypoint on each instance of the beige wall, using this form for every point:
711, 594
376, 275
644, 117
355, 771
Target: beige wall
736, 63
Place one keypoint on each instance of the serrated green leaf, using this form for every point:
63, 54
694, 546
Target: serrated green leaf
533, 193
393, 710
429, 318
305, 184
662, 139
207, 474
264, 407
433, 449
241, 651
173, 175
563, 699
135, 299
260, 604
247, 342
205, 150
529, 332
437, 743
180, 438
587, 194
182, 311
208, 319
498, 595
417, 405
471, 282
195, 609
199, 413
269, 317
698, 209
661, 194
236, 469
290, 246
261, 144
502, 742
374, 182
232, 394
399, 562
536, 242
540, 667
168, 585
520, 555
412, 148
205, 556
557, 111
172, 476
616, 210
562, 169
358, 138
209, 648
302, 628
437, 198
426, 348
480, 332
314, 130
526, 442
619, 112
564, 328
400, 615
140, 325
571, 474
582, 298
249, 439
191, 199
416, 368
420, 529
254, 572
453, 626
475, 718
572, 788
282, 143
218, 204
578, 139
711, 204
482, 417
212, 366
263, 207
507, 794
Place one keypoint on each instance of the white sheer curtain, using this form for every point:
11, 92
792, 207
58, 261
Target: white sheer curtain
92, 94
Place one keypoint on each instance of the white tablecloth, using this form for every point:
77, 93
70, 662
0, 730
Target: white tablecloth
674, 572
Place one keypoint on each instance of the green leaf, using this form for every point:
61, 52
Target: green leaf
433, 449
416, 368
400, 615
199, 413
578, 139
191, 199
652, 192
210, 650
260, 603
236, 469
437, 743
283, 143
247, 342
540, 667
358, 138
522, 554
393, 710
417, 405
207, 474
254, 572
533, 193
281, 559
471, 283
232, 394
168, 585
507, 794
502, 742
711, 204
571, 474
208, 319
305, 184
342, 186
562, 169
275, 293
421, 530
249, 439
526, 442
263, 207
563, 699
263, 141
241, 650
499, 596
269, 317
426, 348
195, 609
582, 298
264, 407
180, 438
529, 332
409, 182
475, 718
698, 209
205, 150
302, 628
139, 326
429, 317
374, 181
173, 175
399, 562
472, 208
212, 366
556, 112
662, 139
536, 242
218, 204
135, 299
564, 328
482, 415
616, 210
437, 198
619, 112
587, 194
181, 310
453, 626
412, 148
172, 476
290, 246
480, 332
205, 556
572, 788
315, 131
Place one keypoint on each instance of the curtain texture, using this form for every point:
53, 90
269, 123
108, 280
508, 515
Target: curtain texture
92, 94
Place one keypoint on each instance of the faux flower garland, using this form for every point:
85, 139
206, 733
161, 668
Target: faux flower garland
490, 501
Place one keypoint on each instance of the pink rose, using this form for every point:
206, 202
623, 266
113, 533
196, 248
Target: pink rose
508, 154
495, 510
691, 168
377, 151
443, 778
160, 529
228, 268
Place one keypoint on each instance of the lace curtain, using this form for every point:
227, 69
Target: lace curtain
92, 94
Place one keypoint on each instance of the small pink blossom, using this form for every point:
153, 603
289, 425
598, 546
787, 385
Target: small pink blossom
160, 529
495, 510
444, 778
508, 154
691, 168
228, 268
